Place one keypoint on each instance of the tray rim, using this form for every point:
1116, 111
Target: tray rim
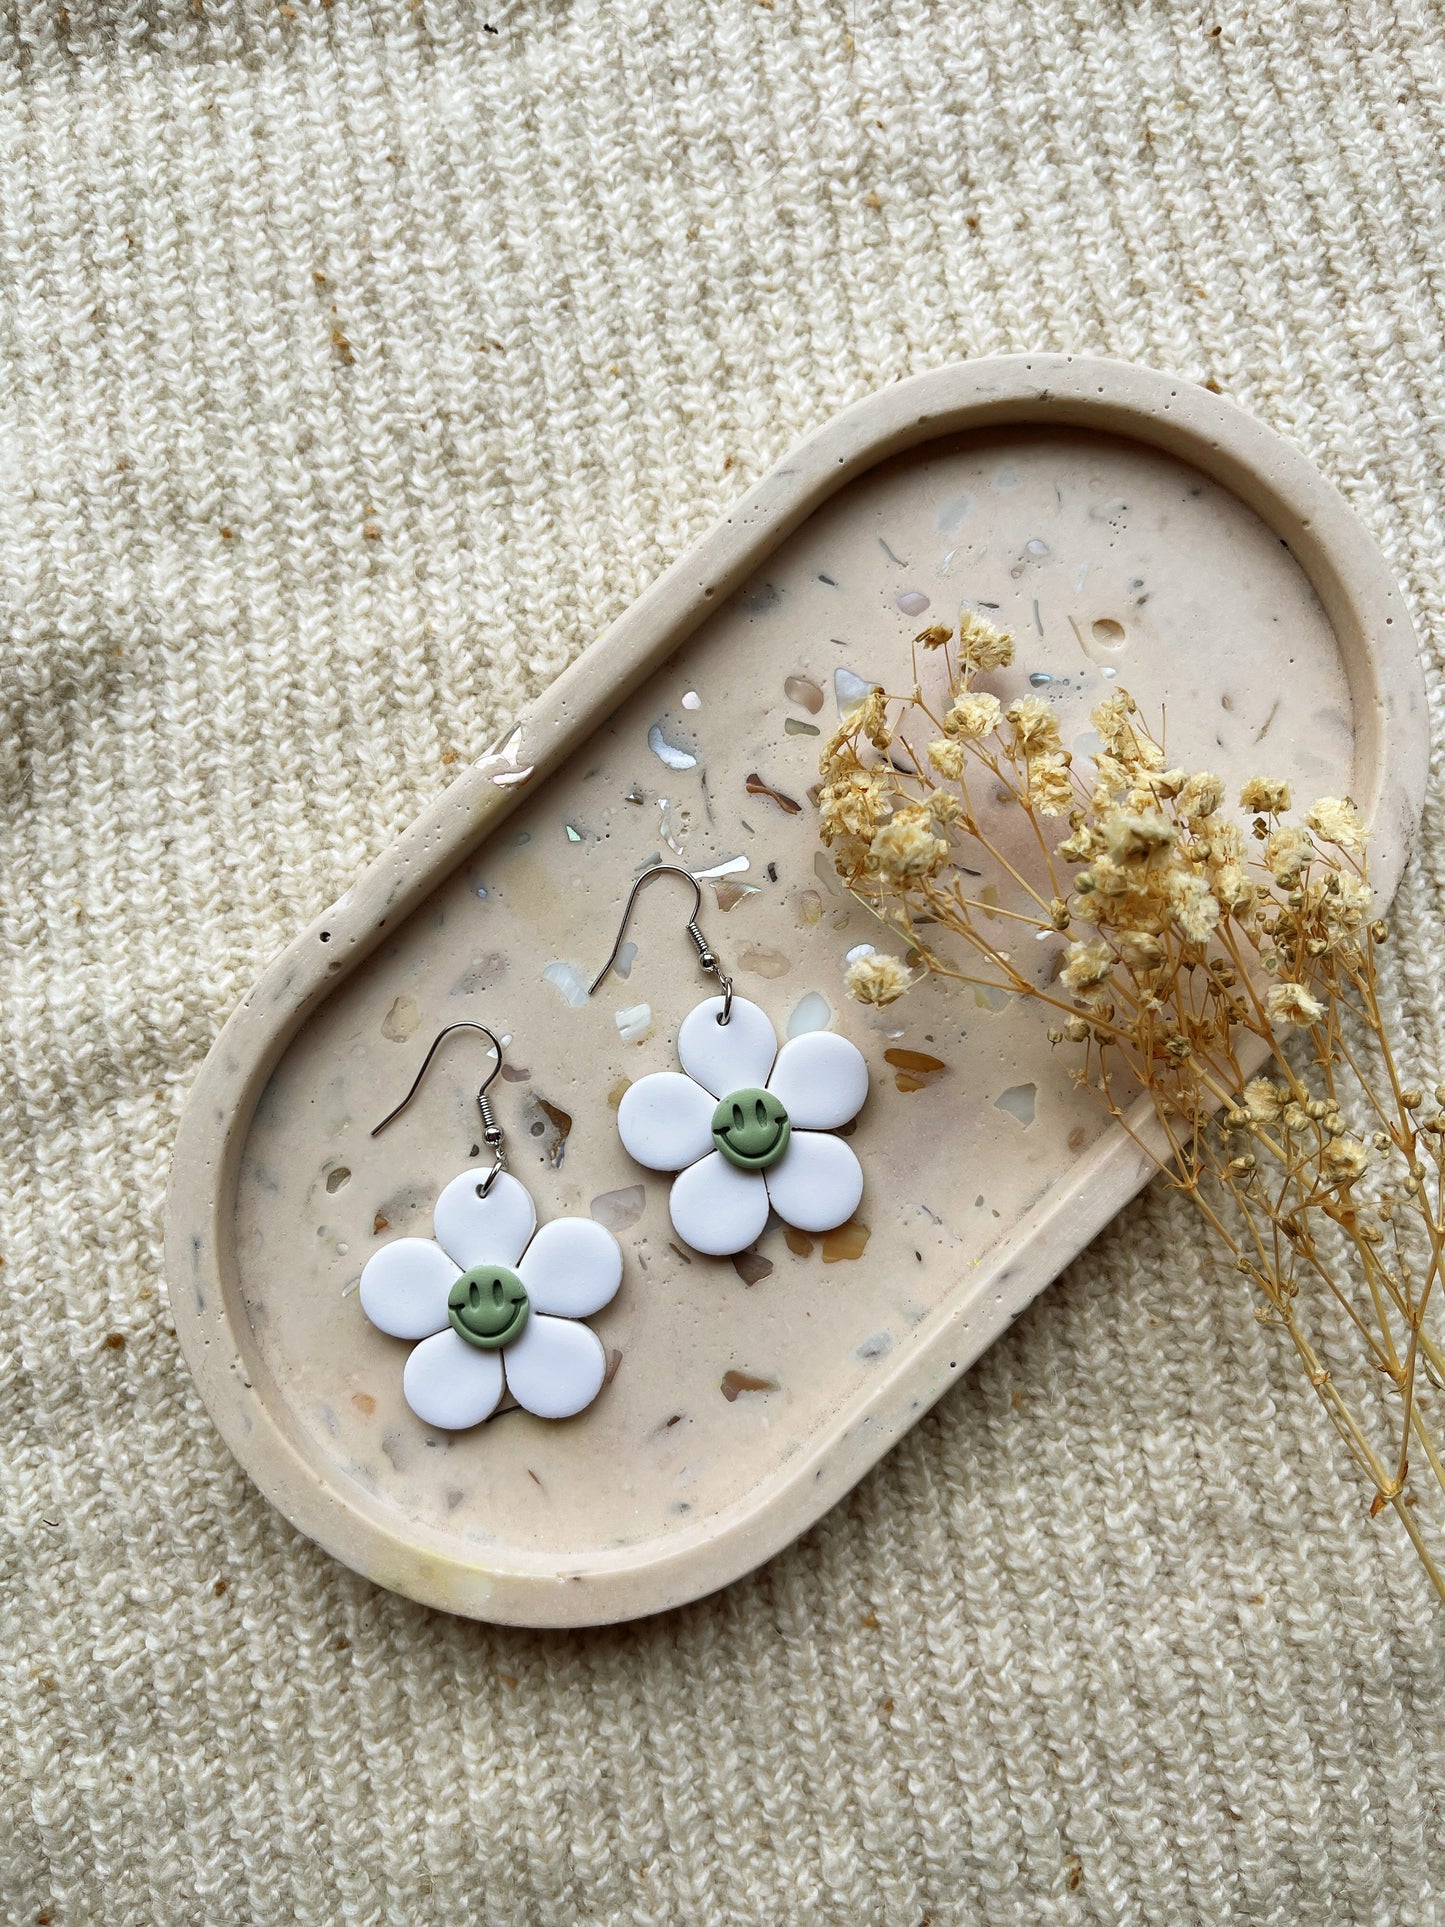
1172, 414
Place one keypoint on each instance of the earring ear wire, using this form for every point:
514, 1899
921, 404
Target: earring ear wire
705, 955
491, 1131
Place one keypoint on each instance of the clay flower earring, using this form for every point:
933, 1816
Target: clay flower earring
744, 1123
494, 1302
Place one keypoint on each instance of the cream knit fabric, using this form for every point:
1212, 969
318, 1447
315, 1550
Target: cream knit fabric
361, 362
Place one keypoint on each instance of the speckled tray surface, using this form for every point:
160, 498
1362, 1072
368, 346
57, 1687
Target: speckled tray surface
1128, 528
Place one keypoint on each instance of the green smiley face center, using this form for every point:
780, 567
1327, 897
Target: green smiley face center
488, 1306
751, 1129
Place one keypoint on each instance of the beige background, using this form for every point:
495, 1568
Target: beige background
360, 366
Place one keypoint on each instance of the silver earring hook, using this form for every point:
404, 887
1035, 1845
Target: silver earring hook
491, 1130
705, 955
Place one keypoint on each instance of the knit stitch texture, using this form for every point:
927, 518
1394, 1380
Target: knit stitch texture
361, 363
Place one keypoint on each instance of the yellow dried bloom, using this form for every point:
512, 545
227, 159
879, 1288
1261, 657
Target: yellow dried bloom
1120, 738
1140, 950
948, 758
981, 645
1222, 841
853, 806
1291, 1003
1036, 727
1192, 905
1333, 907
975, 714
1263, 1100
1111, 780
1163, 783
1103, 878
877, 979
840, 751
1137, 839
1265, 796
1079, 847
1075, 1029
1050, 790
850, 857
1348, 899
1087, 966
935, 636
945, 808
1287, 853
1111, 716
1233, 888
1201, 796
1343, 1160
1334, 819
907, 847
1128, 910
871, 717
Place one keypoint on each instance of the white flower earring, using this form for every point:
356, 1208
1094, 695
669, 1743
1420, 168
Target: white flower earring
746, 1126
494, 1306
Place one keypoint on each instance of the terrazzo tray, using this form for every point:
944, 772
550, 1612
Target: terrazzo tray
1130, 529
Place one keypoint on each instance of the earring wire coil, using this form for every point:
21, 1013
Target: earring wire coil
705, 955
491, 1130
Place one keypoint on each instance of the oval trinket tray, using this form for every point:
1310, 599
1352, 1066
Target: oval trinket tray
1129, 530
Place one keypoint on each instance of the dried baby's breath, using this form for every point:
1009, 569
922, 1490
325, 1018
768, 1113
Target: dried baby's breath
906, 847
1050, 790
1287, 854
974, 714
1087, 966
981, 646
948, 758
1291, 1003
1035, 726
872, 718
877, 979
1264, 795
1222, 972
1336, 820
1199, 796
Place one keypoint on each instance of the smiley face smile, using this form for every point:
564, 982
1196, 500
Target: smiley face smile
751, 1129
488, 1306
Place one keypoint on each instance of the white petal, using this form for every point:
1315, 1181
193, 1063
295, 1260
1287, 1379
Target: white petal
572, 1267
404, 1287
816, 1183
451, 1384
734, 1056
821, 1079
665, 1121
716, 1208
556, 1367
490, 1230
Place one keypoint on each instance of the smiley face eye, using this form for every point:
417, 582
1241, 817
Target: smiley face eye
760, 1112
737, 1117
496, 1291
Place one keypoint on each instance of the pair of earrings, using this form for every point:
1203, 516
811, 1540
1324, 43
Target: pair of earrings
495, 1304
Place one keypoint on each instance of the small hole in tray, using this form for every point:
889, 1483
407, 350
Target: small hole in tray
326, 936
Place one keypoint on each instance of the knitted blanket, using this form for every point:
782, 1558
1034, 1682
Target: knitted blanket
362, 360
